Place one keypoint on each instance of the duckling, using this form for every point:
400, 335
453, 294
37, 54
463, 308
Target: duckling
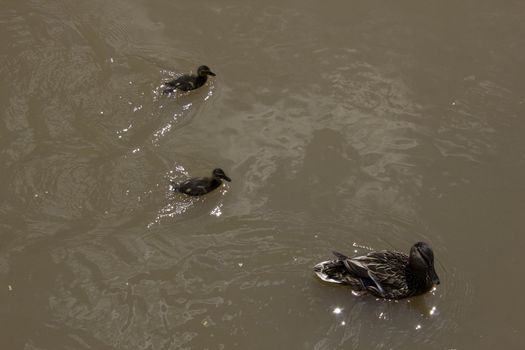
189, 82
198, 186
384, 274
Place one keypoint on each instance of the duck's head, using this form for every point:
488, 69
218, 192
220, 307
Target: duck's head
422, 260
204, 71
219, 173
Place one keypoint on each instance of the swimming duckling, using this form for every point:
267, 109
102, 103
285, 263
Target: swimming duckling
198, 186
189, 82
385, 274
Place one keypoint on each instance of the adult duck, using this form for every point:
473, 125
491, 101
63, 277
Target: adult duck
199, 186
384, 274
189, 82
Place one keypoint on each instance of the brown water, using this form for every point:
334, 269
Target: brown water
349, 125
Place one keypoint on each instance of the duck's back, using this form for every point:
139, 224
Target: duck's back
185, 83
382, 273
197, 186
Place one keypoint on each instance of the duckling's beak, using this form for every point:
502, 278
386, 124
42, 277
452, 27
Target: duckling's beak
211, 73
227, 178
434, 277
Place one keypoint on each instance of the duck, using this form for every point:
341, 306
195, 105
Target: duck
384, 274
199, 186
188, 82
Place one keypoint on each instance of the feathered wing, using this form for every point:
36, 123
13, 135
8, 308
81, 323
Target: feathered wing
379, 271
196, 186
184, 83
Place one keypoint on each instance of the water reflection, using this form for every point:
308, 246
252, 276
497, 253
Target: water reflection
389, 315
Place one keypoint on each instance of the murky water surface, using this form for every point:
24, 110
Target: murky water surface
344, 125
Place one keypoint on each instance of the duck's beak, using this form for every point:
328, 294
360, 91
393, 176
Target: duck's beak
434, 277
227, 178
211, 73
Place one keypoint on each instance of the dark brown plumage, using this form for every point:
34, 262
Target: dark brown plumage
385, 274
199, 186
189, 82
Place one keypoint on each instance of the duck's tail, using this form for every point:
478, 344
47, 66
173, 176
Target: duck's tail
175, 187
331, 271
336, 271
